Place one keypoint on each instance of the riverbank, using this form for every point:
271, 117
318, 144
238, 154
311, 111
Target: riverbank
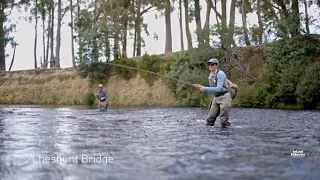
66, 87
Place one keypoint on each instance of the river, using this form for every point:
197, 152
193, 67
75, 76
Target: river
156, 143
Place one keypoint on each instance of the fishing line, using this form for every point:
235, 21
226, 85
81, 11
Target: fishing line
183, 82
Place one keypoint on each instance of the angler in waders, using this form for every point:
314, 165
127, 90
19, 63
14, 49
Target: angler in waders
221, 102
102, 96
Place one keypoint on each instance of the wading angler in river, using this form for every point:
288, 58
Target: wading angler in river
102, 96
223, 91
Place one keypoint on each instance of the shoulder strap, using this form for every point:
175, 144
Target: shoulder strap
217, 72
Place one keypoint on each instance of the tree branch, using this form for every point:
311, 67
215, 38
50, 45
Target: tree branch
275, 7
214, 8
146, 10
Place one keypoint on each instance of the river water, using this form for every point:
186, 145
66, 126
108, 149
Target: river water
156, 143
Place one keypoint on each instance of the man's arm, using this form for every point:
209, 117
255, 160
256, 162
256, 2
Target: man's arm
105, 93
221, 76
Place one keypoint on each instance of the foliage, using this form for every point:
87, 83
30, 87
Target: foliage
151, 63
308, 90
94, 69
90, 98
291, 75
125, 72
190, 67
168, 63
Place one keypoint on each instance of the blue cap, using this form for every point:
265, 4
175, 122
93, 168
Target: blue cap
213, 60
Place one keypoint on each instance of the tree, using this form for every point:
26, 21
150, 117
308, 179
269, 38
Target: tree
125, 20
307, 16
51, 34
187, 21
244, 21
14, 45
58, 38
206, 28
180, 24
167, 12
72, 36
198, 23
35, 34
140, 7
260, 23
296, 19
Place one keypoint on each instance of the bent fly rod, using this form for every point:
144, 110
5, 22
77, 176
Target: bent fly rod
138, 69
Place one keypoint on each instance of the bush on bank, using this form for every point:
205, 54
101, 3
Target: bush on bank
291, 76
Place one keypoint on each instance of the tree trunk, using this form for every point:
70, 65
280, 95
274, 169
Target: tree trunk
134, 42
2, 41
138, 34
94, 49
80, 50
180, 23
51, 38
307, 16
284, 10
35, 36
231, 23
186, 18
223, 32
107, 46
43, 42
72, 36
138, 29
168, 45
58, 39
12, 60
217, 17
116, 45
48, 40
260, 22
125, 28
296, 18
206, 28
244, 22
198, 23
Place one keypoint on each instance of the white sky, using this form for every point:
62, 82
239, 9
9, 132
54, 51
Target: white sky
24, 35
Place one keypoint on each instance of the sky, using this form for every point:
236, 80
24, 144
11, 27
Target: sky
24, 35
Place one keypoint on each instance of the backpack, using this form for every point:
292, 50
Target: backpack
232, 88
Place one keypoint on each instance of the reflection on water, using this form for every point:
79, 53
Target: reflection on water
155, 143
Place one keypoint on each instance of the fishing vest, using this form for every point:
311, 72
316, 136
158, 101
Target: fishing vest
213, 80
227, 85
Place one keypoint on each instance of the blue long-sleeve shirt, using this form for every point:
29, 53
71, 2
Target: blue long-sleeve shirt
220, 76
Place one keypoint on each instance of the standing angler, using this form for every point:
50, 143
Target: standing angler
102, 96
221, 102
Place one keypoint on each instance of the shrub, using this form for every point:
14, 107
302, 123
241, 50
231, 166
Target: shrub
125, 72
168, 63
90, 98
190, 67
151, 63
94, 69
291, 75
308, 89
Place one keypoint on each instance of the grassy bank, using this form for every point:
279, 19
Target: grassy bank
66, 87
